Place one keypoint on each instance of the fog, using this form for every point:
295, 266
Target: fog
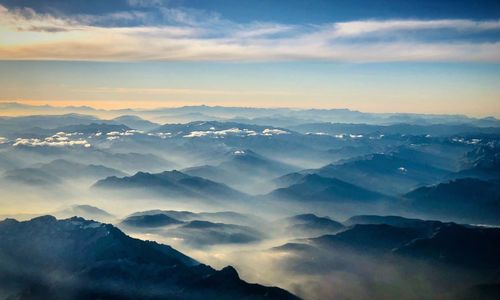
268, 201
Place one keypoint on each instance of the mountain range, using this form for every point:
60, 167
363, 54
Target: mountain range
171, 184
104, 263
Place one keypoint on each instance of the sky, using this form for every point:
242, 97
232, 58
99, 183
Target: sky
368, 55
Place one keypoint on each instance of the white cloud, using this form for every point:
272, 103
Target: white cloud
60, 139
234, 132
221, 133
50, 143
27, 35
268, 131
364, 27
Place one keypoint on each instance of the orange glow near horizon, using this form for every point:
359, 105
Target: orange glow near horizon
373, 107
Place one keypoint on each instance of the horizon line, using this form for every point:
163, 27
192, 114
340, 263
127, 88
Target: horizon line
143, 109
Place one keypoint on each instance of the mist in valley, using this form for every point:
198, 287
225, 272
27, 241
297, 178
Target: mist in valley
304, 211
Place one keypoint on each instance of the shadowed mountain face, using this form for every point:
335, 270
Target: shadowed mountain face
171, 184
104, 263
395, 221
482, 163
31, 176
456, 245
307, 225
313, 187
468, 199
370, 238
200, 234
384, 173
216, 217
58, 171
194, 229
245, 170
473, 248
150, 221
449, 261
24, 156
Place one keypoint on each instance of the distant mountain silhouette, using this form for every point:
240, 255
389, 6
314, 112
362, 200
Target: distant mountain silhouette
58, 171
467, 200
403, 127
369, 238
100, 262
136, 122
396, 221
172, 183
150, 221
200, 234
452, 261
313, 187
482, 163
308, 225
31, 176
128, 161
469, 247
385, 173
11, 125
460, 246
86, 211
243, 170
197, 230
450, 243
228, 217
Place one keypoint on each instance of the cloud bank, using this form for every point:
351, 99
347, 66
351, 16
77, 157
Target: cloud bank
186, 35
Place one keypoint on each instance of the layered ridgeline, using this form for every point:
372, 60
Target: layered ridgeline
244, 170
468, 199
308, 118
391, 257
59, 171
170, 184
45, 258
198, 230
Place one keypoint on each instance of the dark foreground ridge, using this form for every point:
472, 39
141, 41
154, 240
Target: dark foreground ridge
46, 258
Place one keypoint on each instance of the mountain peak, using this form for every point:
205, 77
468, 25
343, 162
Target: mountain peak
44, 220
230, 272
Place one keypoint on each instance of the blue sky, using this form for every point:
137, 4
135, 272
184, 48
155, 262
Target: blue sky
412, 56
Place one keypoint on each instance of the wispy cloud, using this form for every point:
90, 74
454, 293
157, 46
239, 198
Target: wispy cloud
365, 27
188, 35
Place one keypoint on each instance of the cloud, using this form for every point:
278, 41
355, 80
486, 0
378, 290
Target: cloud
60, 139
356, 28
236, 132
187, 35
